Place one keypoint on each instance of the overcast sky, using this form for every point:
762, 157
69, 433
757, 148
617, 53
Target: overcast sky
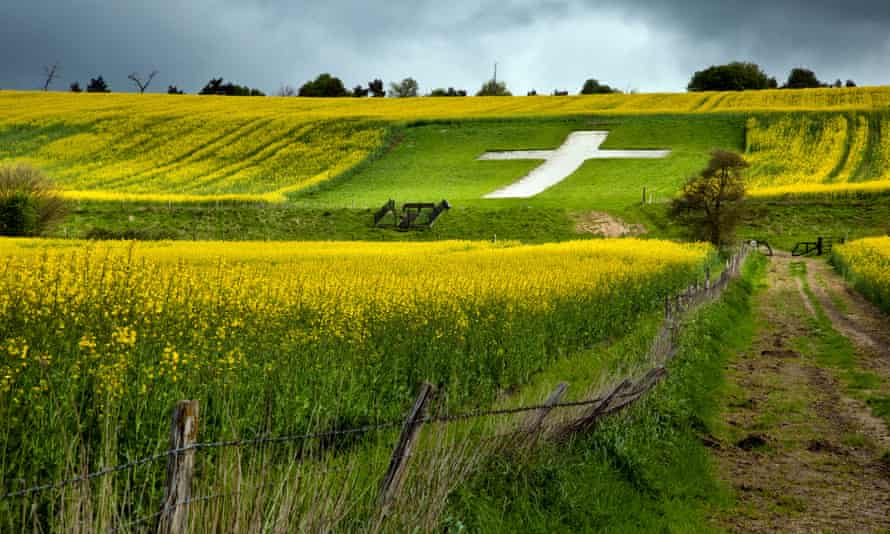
648, 45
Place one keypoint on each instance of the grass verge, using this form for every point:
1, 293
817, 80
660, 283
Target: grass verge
646, 471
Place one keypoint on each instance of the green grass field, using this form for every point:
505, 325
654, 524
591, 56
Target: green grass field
435, 161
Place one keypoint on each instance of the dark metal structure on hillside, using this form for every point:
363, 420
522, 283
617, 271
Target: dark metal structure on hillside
413, 216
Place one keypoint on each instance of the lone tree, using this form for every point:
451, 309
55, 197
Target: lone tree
404, 89
51, 72
594, 87
735, 76
800, 78
75, 87
98, 85
376, 88
141, 82
286, 90
324, 85
494, 88
173, 90
712, 203
360, 92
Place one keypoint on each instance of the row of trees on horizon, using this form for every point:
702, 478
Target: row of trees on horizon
735, 76
746, 76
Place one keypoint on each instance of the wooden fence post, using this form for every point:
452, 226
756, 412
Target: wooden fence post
392, 481
534, 421
180, 468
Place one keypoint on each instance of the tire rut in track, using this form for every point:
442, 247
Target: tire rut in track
798, 453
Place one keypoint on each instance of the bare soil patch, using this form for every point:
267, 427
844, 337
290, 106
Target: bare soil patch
602, 224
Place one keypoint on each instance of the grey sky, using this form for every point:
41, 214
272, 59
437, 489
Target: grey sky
649, 45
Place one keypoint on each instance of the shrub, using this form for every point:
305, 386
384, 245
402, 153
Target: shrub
29, 203
18, 215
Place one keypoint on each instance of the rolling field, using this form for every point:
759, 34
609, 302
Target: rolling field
805, 154
866, 263
190, 148
100, 339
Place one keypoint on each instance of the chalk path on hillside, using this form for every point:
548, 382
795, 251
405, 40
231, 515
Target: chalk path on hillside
562, 162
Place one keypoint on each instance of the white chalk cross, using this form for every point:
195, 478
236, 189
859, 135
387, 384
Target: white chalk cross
562, 162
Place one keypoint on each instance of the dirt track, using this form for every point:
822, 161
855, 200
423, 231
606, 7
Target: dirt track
800, 454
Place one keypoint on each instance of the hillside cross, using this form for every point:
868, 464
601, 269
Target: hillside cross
560, 163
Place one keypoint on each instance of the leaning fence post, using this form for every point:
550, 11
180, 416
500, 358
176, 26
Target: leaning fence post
536, 419
392, 481
180, 468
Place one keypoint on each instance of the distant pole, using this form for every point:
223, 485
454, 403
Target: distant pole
495, 78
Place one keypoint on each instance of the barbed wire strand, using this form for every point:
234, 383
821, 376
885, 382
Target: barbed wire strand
287, 438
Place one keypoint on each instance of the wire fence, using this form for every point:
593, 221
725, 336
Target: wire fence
618, 397
463, 416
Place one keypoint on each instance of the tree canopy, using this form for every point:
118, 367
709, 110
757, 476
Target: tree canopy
324, 85
594, 87
735, 76
494, 88
801, 78
404, 89
451, 91
711, 204
376, 88
98, 85
217, 86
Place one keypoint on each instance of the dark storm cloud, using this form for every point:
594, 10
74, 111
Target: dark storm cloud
833, 36
644, 44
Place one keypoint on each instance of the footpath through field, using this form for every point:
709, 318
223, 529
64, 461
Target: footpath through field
802, 445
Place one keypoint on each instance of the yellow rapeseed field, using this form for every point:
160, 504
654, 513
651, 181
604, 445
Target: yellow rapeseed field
191, 148
867, 263
103, 337
818, 154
